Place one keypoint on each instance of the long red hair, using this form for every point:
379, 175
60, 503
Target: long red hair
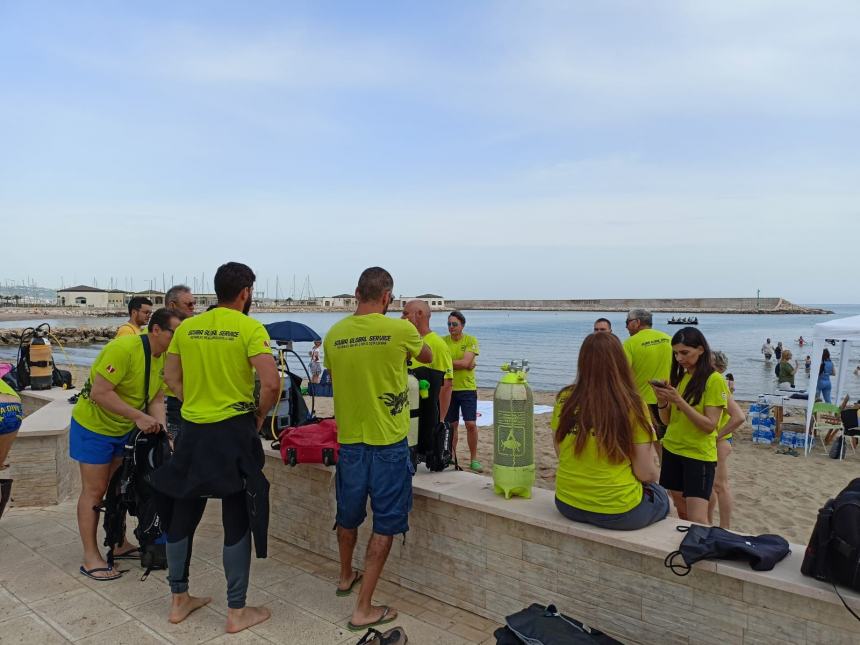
604, 400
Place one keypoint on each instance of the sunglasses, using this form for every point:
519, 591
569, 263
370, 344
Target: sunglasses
630, 320
453, 324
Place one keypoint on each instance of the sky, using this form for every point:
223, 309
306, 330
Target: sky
543, 149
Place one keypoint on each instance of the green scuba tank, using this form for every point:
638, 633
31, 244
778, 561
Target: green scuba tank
514, 434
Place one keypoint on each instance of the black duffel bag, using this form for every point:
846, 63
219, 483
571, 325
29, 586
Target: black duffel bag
544, 625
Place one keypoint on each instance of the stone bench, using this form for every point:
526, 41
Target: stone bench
475, 550
39, 461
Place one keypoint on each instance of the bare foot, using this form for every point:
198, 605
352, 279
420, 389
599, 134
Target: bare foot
239, 619
344, 587
182, 606
376, 616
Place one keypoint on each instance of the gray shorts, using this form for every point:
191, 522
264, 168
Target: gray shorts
653, 508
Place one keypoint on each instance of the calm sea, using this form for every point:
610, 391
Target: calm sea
550, 341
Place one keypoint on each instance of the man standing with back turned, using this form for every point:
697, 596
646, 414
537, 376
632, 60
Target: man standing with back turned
366, 355
210, 367
649, 353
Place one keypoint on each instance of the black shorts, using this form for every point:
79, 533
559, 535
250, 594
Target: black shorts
463, 403
692, 477
659, 426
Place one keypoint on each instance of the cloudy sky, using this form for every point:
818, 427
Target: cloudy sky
480, 149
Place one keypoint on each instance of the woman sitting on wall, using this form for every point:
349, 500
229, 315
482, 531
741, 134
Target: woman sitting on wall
607, 462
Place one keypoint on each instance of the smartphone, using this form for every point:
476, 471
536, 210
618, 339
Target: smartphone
657, 383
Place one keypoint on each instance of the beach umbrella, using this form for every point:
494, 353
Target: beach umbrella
287, 330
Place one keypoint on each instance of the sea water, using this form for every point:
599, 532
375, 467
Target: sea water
550, 341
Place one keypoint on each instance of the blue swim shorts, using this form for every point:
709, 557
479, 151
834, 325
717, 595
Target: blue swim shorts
465, 401
11, 415
90, 447
382, 472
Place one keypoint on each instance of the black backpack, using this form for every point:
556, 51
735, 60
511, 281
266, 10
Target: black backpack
292, 403
712, 542
434, 434
833, 552
129, 494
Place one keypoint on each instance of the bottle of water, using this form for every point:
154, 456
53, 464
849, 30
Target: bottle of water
768, 433
800, 440
787, 438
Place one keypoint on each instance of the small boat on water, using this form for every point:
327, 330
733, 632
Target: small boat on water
689, 320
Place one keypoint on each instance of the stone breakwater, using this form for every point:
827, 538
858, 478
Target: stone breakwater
671, 305
66, 335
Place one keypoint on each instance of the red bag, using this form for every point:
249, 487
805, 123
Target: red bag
315, 443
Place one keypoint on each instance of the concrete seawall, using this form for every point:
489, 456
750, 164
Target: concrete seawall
675, 305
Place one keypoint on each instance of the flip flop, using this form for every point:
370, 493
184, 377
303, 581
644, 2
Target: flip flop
89, 573
348, 590
131, 554
383, 619
394, 636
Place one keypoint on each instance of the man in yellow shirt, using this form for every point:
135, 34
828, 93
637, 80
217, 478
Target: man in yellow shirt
111, 403
180, 299
464, 350
366, 355
649, 353
418, 313
139, 311
210, 367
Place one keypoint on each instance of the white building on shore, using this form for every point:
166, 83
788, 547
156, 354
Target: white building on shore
348, 301
91, 297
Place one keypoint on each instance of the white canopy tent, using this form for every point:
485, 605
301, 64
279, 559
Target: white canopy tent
844, 331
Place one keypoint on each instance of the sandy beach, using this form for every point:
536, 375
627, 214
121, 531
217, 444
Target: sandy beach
773, 493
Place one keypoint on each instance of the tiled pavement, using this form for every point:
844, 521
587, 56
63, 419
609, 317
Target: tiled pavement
44, 600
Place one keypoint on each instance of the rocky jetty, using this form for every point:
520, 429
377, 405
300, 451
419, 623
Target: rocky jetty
74, 336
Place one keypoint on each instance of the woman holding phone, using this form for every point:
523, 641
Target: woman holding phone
693, 406
607, 462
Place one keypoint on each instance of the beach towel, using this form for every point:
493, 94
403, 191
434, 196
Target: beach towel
485, 412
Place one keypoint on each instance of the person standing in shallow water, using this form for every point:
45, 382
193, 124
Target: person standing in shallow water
825, 371
464, 399
692, 405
